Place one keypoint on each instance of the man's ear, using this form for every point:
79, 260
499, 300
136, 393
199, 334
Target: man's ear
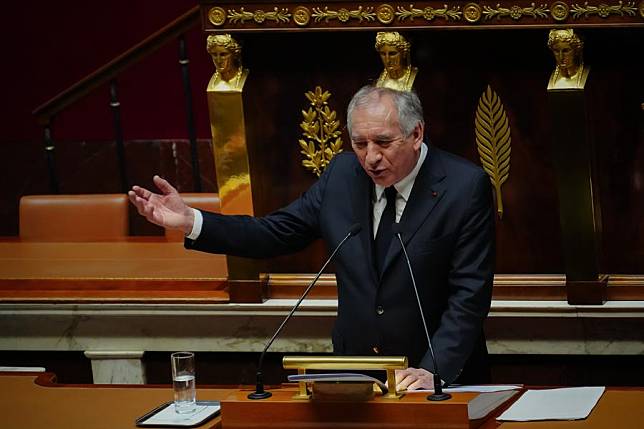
418, 133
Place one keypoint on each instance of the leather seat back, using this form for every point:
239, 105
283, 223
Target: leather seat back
92, 217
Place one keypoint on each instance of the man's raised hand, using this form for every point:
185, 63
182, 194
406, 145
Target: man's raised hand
166, 209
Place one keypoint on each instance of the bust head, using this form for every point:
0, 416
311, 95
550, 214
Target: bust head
394, 52
567, 47
225, 53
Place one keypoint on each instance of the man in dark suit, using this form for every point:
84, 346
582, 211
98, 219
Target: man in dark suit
444, 208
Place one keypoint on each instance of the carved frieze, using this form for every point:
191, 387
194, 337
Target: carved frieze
240, 16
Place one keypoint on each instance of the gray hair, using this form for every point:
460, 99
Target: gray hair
410, 110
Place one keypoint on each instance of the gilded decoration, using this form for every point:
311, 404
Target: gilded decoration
603, 10
217, 16
278, 15
472, 12
385, 13
515, 12
321, 132
559, 11
229, 74
394, 51
493, 142
418, 14
568, 50
344, 15
301, 15
429, 13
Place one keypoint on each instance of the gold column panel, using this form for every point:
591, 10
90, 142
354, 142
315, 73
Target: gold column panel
228, 129
230, 152
226, 108
576, 171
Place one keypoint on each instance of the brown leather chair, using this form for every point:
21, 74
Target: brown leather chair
203, 201
94, 217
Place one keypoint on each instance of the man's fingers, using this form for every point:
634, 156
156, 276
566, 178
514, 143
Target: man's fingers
421, 383
404, 382
141, 192
404, 377
164, 186
401, 374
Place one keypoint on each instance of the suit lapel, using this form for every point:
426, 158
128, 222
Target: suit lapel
362, 188
429, 188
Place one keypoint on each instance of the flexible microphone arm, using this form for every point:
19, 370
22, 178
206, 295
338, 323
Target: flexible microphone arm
438, 394
259, 392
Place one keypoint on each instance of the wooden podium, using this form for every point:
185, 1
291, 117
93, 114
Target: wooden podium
281, 410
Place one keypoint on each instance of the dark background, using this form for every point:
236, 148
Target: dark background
50, 46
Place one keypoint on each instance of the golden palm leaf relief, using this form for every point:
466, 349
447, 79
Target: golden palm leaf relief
321, 132
493, 142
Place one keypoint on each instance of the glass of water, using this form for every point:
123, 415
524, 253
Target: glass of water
183, 382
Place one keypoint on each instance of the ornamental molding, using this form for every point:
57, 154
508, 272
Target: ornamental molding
377, 15
603, 10
515, 12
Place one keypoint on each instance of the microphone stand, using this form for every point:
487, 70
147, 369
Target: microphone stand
438, 394
259, 392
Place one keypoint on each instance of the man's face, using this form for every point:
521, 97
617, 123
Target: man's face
385, 154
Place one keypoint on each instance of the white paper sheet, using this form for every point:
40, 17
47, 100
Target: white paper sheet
483, 388
571, 403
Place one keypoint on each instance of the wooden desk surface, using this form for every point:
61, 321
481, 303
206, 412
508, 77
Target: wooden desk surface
25, 404
137, 268
33, 401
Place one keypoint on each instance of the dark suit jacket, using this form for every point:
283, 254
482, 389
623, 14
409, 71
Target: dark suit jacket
448, 230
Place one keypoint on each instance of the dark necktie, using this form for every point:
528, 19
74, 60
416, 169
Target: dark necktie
384, 235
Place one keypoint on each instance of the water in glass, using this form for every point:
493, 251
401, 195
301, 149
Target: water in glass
184, 393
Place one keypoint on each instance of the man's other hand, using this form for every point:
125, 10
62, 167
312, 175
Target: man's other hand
166, 209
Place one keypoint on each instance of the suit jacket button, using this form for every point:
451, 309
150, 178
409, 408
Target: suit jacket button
380, 310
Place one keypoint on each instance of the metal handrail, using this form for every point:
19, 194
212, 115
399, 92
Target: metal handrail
109, 71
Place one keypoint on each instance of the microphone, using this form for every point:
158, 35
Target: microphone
438, 394
259, 392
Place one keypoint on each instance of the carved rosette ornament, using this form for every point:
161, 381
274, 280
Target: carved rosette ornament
217, 16
559, 11
385, 13
472, 12
301, 15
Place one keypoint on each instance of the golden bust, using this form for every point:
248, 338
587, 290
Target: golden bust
226, 55
394, 52
567, 47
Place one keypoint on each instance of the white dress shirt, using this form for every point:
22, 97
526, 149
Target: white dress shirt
403, 190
